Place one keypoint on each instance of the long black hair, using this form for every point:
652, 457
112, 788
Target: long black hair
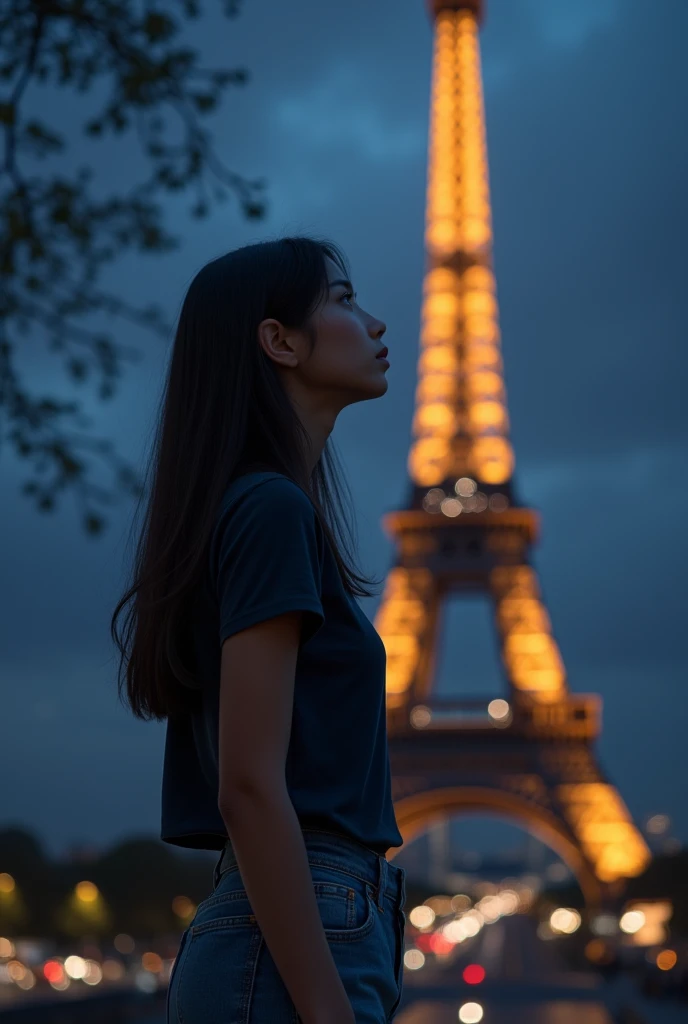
223, 410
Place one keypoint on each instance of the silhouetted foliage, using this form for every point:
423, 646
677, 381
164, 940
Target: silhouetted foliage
56, 235
137, 878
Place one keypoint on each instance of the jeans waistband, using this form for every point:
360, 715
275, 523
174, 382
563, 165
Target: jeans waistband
334, 850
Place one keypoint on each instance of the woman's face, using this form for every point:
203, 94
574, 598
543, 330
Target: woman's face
344, 360
343, 367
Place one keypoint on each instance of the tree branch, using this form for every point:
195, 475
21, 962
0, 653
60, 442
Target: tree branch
55, 237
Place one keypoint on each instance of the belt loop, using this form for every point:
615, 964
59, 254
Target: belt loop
217, 873
382, 864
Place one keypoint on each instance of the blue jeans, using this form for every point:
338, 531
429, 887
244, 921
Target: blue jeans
224, 973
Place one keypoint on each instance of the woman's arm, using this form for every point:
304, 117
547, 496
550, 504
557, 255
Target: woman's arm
256, 702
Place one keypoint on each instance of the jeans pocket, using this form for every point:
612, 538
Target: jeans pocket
225, 910
345, 902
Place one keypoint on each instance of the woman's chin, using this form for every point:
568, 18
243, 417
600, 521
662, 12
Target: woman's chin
382, 384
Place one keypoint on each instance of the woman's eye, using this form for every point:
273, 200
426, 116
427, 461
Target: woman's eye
348, 295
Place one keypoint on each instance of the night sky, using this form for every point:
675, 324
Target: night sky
585, 103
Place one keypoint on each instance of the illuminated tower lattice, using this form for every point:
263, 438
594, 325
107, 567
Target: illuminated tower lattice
462, 529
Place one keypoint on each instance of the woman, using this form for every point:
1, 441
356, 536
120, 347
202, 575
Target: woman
276, 749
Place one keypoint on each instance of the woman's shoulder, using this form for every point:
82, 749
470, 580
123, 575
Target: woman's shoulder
267, 509
268, 490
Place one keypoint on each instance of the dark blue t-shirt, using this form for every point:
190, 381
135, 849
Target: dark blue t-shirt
269, 555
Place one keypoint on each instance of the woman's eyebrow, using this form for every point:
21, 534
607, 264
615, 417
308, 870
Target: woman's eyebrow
344, 281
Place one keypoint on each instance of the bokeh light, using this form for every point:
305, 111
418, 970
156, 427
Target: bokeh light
87, 892
75, 966
414, 959
666, 959
183, 907
422, 917
93, 974
565, 920
460, 902
151, 962
604, 924
146, 981
498, 709
470, 1013
124, 943
598, 952
16, 970
465, 487
472, 921
473, 974
113, 970
632, 921
53, 971
27, 980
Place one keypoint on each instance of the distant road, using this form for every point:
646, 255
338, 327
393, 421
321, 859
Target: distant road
526, 982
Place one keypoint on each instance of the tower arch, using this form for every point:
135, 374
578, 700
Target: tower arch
416, 813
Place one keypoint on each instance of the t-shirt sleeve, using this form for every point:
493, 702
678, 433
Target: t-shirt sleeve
266, 559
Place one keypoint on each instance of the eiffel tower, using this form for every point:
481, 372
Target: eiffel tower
528, 757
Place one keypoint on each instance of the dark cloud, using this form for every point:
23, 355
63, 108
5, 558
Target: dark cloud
588, 170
